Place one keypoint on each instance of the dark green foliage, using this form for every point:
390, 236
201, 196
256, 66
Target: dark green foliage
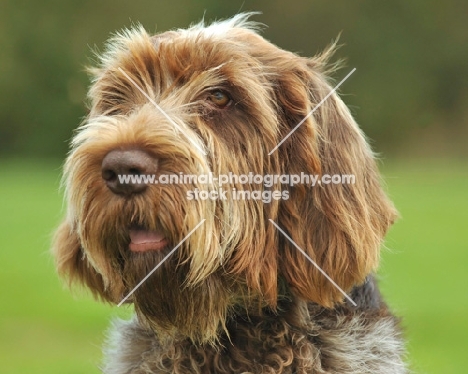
408, 92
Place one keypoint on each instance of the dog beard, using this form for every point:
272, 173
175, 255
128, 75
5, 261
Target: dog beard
166, 303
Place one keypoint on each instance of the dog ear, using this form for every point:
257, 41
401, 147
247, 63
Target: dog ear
339, 226
72, 263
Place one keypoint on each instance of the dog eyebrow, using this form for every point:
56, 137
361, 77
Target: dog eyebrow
161, 110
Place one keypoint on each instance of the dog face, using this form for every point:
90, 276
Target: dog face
221, 98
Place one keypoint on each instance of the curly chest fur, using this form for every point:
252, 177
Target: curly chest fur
341, 341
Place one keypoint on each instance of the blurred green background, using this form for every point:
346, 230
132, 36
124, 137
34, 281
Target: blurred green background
409, 94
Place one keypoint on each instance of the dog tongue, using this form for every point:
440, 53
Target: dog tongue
143, 236
144, 240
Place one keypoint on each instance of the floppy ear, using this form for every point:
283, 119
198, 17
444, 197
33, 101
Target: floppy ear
340, 226
71, 262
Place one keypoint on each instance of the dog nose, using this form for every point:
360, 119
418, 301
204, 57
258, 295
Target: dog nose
126, 171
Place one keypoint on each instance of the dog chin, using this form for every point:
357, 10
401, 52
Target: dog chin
167, 305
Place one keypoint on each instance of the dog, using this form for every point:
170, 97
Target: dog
227, 285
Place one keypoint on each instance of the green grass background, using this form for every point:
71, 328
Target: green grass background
45, 329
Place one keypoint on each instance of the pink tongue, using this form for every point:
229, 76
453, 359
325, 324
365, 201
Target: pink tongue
144, 236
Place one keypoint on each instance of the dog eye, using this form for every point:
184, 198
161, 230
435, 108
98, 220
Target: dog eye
219, 98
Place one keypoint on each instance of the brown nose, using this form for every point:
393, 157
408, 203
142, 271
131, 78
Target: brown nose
125, 171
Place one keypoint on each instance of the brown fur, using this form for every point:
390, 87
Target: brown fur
236, 266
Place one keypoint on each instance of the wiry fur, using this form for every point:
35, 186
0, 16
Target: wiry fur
236, 296
340, 342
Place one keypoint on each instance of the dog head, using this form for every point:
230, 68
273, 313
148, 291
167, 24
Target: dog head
215, 99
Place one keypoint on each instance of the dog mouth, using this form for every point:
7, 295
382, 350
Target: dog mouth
143, 240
